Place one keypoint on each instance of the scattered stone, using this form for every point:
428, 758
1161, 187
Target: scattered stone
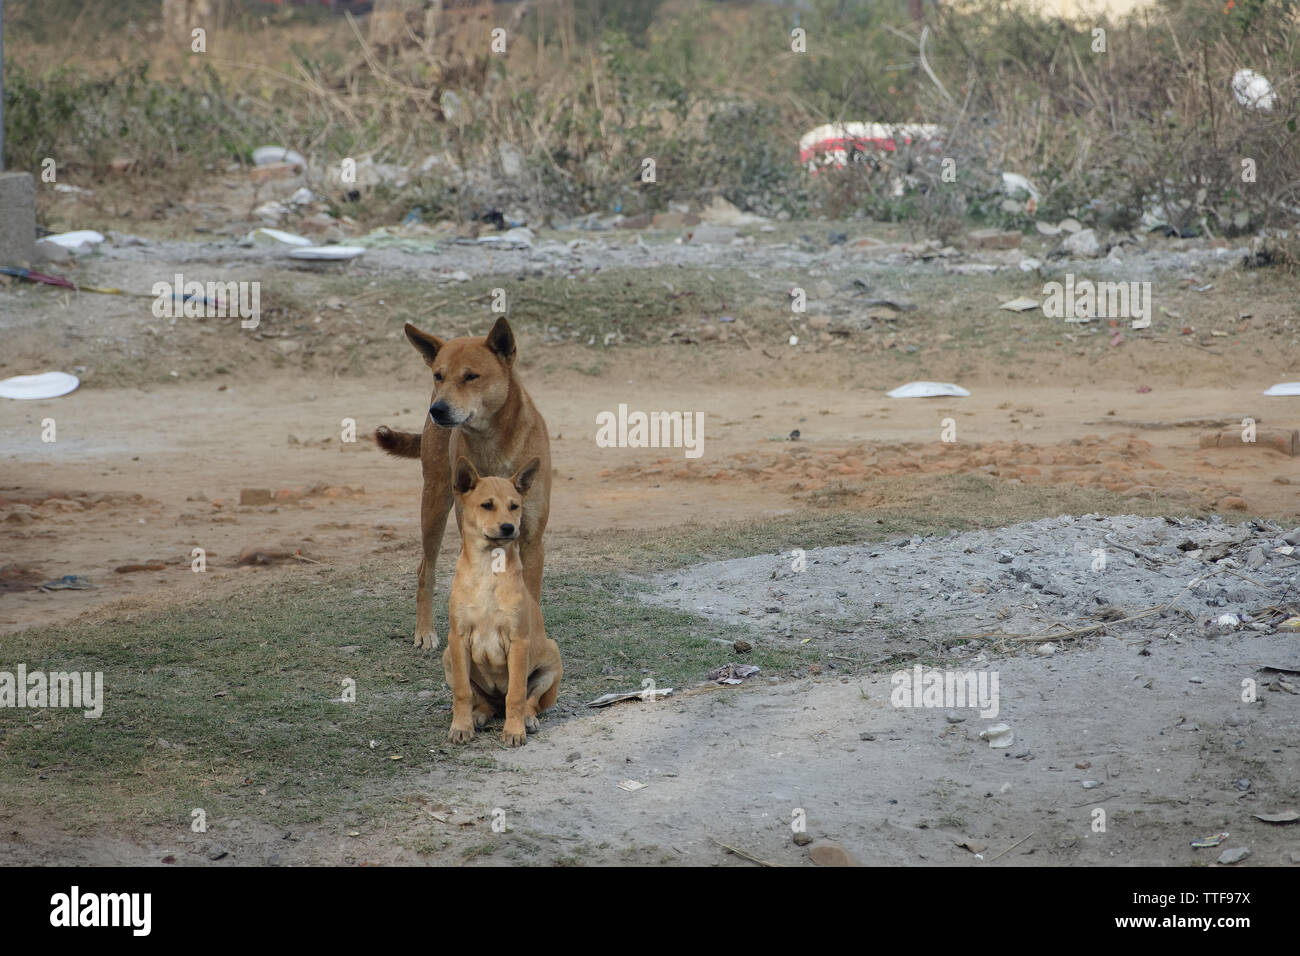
1082, 244
831, 854
1235, 855
802, 839
254, 496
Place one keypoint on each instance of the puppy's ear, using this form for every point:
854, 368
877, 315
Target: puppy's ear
523, 479
427, 345
501, 341
466, 476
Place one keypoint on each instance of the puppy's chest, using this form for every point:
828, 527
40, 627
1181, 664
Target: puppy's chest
488, 614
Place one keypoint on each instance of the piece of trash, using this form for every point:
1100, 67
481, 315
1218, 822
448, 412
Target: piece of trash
302, 197
75, 240
999, 736
266, 155
519, 236
836, 144
1022, 304
1235, 855
928, 390
1029, 264
1117, 338
280, 236
1284, 388
1214, 839
1143, 389
1013, 183
69, 582
1091, 784
648, 694
1229, 621
631, 786
32, 276
1286, 816
45, 385
731, 673
1253, 91
330, 253
1290, 624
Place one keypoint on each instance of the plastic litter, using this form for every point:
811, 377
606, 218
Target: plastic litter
75, 240
326, 253
266, 155
1284, 388
1253, 91
928, 390
45, 385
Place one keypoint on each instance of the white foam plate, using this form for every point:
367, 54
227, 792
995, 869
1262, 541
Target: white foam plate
928, 390
70, 240
265, 155
45, 385
326, 252
282, 236
1284, 388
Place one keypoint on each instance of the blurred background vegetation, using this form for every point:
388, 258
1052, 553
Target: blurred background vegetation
712, 91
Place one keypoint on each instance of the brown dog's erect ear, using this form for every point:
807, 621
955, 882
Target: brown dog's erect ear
426, 344
501, 340
466, 476
523, 480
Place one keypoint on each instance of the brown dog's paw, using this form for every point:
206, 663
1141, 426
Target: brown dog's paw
532, 724
460, 735
514, 738
427, 640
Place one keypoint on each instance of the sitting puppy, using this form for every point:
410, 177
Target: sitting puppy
498, 657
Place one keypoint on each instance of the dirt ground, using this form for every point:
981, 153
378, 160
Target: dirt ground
149, 465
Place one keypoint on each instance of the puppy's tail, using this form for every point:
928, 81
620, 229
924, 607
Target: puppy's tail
399, 444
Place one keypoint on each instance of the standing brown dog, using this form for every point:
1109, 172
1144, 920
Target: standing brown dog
498, 658
480, 412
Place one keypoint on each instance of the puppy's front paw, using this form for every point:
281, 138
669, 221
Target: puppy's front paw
514, 734
427, 640
532, 724
460, 735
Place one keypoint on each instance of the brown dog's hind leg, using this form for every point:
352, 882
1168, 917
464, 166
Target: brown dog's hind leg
543, 689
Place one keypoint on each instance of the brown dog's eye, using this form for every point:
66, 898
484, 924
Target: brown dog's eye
488, 506
514, 506
437, 376
470, 376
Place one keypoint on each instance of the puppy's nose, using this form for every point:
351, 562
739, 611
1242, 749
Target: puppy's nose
439, 412
507, 530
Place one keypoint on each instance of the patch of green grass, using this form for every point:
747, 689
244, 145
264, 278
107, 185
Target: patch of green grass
234, 706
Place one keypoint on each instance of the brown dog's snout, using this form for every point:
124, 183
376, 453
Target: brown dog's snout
442, 414
506, 530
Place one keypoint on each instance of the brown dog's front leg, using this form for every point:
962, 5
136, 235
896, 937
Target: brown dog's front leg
531, 555
433, 522
515, 734
455, 665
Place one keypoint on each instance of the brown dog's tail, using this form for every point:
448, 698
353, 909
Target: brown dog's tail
400, 444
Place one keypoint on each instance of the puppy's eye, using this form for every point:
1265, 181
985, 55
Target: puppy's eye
470, 376
488, 506
514, 506
437, 376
